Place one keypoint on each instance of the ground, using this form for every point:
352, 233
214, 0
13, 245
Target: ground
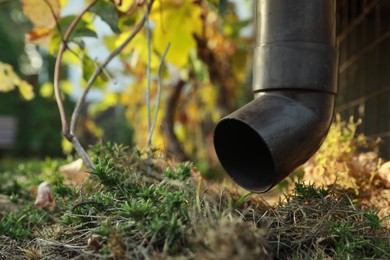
130, 207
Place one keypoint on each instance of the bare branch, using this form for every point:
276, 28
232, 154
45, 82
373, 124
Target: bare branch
70, 132
174, 147
57, 70
159, 85
53, 13
148, 79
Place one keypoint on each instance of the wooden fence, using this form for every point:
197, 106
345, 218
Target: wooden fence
363, 28
8, 128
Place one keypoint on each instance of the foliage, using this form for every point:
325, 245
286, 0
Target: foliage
9, 80
207, 53
38, 122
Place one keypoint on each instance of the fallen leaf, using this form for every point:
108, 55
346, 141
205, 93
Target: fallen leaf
384, 174
74, 172
95, 242
45, 198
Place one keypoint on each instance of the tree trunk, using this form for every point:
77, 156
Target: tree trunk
174, 147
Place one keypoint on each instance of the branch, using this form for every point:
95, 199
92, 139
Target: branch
148, 79
174, 146
220, 74
70, 132
57, 70
55, 17
158, 93
99, 70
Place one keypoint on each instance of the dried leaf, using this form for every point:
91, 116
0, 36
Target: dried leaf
38, 35
45, 198
384, 174
75, 172
42, 13
95, 242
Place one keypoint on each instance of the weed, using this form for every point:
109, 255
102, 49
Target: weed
182, 172
21, 224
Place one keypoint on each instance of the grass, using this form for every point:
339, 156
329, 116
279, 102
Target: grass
123, 213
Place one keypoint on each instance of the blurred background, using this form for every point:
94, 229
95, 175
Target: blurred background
207, 74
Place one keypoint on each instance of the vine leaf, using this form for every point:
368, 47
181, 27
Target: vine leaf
107, 11
177, 26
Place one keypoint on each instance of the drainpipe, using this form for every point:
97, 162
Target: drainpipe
294, 83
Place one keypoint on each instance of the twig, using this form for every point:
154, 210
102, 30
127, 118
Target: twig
159, 86
58, 244
99, 70
70, 132
55, 17
57, 72
83, 203
148, 79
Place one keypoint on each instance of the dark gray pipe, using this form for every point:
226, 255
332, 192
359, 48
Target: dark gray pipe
295, 83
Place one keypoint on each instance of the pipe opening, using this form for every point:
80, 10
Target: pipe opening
244, 155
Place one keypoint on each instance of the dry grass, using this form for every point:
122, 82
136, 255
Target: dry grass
123, 214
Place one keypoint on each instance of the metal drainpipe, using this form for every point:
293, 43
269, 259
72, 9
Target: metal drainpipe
294, 83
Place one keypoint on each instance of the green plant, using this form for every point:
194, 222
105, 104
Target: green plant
22, 223
129, 204
182, 172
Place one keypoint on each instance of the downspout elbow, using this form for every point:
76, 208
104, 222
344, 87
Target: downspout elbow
295, 76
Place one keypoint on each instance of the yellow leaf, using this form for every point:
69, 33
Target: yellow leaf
26, 90
46, 90
9, 80
110, 100
42, 13
63, 2
6, 74
67, 146
39, 36
124, 5
66, 86
138, 48
176, 22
